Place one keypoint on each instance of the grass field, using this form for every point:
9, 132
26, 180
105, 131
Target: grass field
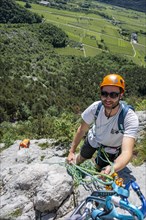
69, 51
141, 52
98, 32
142, 40
90, 51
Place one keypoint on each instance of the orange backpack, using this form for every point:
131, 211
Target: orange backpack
24, 144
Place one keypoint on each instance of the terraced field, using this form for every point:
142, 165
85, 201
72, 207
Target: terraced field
101, 31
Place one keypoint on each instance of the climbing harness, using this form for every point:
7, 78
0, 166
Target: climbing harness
104, 204
101, 151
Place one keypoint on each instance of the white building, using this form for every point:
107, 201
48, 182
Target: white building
45, 3
134, 38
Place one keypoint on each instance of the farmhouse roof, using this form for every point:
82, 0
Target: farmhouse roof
134, 35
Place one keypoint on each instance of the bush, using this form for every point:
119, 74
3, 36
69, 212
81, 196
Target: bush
140, 152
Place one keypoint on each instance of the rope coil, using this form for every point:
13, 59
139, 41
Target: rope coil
86, 174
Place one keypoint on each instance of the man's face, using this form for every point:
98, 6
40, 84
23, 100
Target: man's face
110, 96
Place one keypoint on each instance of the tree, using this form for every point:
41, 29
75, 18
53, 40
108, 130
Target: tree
14, 13
52, 34
27, 5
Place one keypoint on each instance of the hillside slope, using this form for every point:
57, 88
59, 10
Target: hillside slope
138, 5
14, 13
35, 78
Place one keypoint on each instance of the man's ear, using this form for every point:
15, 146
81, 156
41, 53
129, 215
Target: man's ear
121, 95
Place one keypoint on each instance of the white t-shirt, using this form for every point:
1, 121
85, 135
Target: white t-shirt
105, 130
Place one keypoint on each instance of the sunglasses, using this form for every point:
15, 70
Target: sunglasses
112, 95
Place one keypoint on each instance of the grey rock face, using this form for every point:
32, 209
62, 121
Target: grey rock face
32, 179
35, 181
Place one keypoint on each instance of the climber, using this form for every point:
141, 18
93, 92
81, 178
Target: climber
101, 121
24, 144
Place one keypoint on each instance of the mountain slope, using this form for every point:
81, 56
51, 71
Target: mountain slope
13, 13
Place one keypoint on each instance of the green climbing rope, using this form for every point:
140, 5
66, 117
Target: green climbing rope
88, 169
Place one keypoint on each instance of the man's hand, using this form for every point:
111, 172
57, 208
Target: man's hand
107, 170
71, 158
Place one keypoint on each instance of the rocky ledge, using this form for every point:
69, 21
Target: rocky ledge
35, 183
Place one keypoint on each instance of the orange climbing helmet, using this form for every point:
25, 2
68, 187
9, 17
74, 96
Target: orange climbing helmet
113, 80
